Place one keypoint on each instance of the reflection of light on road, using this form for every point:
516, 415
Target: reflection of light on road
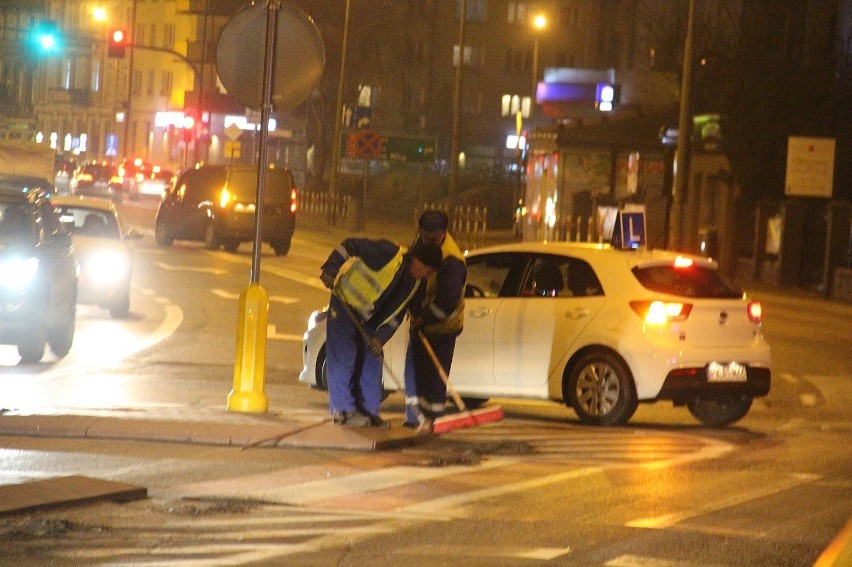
99, 341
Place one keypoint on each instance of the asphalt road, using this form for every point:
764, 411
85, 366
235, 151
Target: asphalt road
535, 489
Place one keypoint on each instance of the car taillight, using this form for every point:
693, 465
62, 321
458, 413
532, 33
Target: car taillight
116, 179
661, 312
755, 311
293, 201
84, 177
225, 198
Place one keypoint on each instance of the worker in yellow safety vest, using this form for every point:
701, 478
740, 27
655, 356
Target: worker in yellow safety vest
368, 301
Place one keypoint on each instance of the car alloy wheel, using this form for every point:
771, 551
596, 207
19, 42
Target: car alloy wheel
600, 389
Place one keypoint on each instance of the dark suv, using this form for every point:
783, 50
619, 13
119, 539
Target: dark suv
216, 204
38, 275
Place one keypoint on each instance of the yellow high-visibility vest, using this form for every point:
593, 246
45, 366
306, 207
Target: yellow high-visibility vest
360, 287
454, 321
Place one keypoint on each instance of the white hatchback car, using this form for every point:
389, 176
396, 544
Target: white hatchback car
103, 249
599, 328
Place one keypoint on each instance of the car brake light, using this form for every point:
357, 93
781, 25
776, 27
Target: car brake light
661, 312
116, 179
755, 311
293, 203
682, 262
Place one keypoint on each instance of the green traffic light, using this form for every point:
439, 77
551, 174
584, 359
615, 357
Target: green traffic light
46, 38
47, 42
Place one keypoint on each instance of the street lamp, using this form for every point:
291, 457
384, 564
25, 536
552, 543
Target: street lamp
539, 22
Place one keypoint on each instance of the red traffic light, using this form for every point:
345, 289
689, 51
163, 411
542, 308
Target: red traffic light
117, 42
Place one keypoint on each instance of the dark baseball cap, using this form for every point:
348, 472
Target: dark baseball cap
429, 254
433, 221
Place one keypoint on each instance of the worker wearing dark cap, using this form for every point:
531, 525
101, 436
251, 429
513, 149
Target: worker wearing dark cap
368, 301
440, 316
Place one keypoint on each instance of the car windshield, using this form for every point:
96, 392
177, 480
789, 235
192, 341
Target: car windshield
16, 224
89, 222
693, 281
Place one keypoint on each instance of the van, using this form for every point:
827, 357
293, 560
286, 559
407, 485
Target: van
215, 204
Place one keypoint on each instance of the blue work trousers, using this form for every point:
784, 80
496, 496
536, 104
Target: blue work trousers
354, 374
425, 391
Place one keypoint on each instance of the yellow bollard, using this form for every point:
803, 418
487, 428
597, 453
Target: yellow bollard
247, 395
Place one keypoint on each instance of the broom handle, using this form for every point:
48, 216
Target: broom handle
367, 339
440, 368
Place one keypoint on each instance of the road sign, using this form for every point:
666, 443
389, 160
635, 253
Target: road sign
629, 227
233, 132
410, 149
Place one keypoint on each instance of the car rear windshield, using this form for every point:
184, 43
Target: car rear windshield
693, 281
99, 171
243, 183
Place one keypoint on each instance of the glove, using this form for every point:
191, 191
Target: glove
375, 346
327, 280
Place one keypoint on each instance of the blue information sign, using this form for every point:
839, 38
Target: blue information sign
629, 228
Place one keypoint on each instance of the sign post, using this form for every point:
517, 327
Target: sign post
253, 80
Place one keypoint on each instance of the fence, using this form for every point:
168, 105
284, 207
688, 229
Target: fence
334, 208
468, 224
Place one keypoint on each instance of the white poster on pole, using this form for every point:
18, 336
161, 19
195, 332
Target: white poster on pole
810, 167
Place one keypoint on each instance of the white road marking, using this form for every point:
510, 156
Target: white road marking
640, 561
272, 333
293, 275
361, 483
198, 269
533, 553
669, 520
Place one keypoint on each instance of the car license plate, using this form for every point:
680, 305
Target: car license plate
731, 372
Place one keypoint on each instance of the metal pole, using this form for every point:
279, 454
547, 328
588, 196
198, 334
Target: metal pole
338, 118
534, 75
272, 7
126, 147
683, 134
457, 95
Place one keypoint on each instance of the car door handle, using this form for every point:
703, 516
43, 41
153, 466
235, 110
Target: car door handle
479, 313
578, 313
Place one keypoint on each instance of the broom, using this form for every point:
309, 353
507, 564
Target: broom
465, 417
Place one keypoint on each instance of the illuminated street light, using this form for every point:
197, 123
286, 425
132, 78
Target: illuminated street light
99, 14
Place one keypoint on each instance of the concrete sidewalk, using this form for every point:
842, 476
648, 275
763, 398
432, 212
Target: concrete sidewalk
183, 425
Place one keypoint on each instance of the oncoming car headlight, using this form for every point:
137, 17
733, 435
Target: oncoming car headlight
17, 273
105, 266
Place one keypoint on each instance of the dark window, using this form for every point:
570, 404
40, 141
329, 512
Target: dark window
494, 275
561, 276
693, 281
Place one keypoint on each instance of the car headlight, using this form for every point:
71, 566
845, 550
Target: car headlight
17, 273
105, 267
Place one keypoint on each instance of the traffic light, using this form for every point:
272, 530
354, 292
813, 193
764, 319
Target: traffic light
117, 42
46, 38
189, 124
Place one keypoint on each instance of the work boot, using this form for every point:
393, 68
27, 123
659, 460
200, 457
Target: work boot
424, 428
353, 418
379, 423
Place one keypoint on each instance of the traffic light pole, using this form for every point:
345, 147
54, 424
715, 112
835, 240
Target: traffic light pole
127, 110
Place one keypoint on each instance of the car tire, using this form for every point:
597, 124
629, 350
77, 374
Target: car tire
31, 348
321, 370
281, 246
600, 389
474, 403
162, 234
720, 412
231, 244
212, 241
121, 307
61, 337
